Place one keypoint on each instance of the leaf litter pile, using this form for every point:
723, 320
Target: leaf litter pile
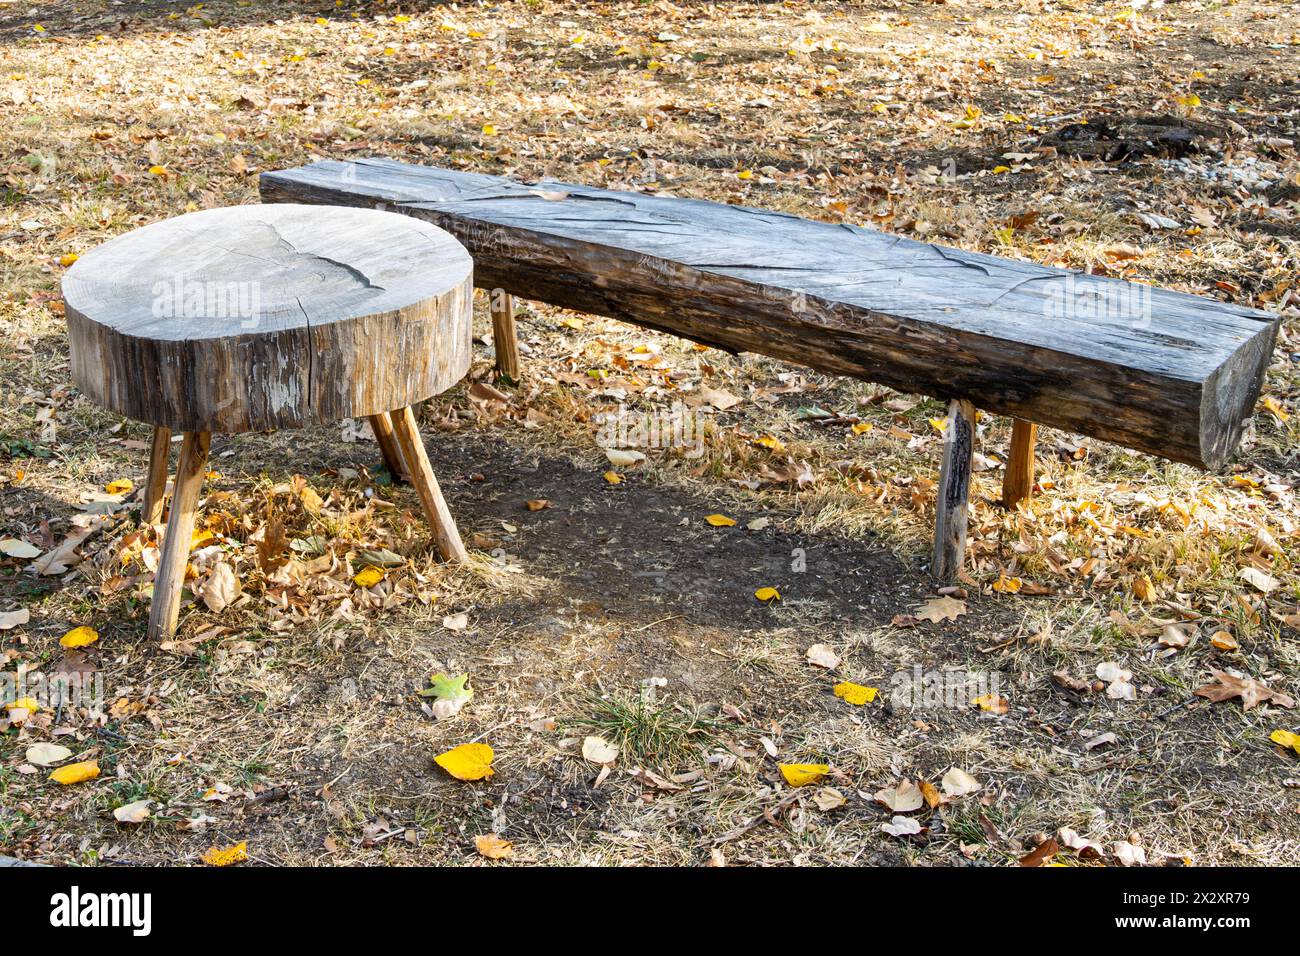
694, 629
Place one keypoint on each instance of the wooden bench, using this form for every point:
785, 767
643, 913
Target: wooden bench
1162, 372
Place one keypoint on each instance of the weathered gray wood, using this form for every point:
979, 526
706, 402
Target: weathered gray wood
382, 426
1160, 371
435, 506
954, 491
1018, 480
191, 466
505, 338
259, 317
155, 489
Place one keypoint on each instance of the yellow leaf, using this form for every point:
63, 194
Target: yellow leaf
992, 703
1224, 641
1191, 101
939, 424
572, 322
157, 171
721, 521
493, 847
28, 704
745, 174
768, 594
467, 762
76, 773
861, 428
489, 130
231, 854
120, 486
401, 18
1272, 405
855, 694
368, 577
1286, 739
1006, 585
199, 537
79, 637
802, 774
613, 477
768, 441
999, 170
1143, 589
69, 259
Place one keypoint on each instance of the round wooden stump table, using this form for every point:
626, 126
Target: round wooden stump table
252, 318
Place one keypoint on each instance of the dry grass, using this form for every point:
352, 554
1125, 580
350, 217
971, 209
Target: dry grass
299, 730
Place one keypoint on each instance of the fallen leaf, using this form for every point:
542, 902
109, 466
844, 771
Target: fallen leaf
493, 847
120, 486
613, 477
221, 588
941, 609
368, 577
14, 548
958, 783
79, 637
47, 755
450, 694
467, 762
767, 594
623, 458
227, 857
1084, 847
537, 504
855, 694
1041, 853
821, 655
456, 622
1283, 738
802, 774
1226, 686
76, 772
903, 798
721, 521
136, 812
828, 798
11, 619
599, 751
1129, 854
1257, 579
901, 826
992, 703
1224, 641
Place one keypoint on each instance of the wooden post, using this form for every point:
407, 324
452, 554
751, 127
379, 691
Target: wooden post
1018, 482
503, 333
382, 426
190, 469
155, 488
440, 520
954, 491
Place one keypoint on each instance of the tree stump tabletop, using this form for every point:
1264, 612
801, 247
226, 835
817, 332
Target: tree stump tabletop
270, 316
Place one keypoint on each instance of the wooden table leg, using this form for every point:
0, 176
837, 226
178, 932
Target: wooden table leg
155, 489
382, 426
440, 520
954, 491
1018, 482
176, 542
504, 336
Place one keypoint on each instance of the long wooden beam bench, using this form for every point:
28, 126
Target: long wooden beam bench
1164, 372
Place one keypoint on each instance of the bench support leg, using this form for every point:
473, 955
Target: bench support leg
440, 520
502, 306
382, 426
190, 469
1018, 482
155, 489
954, 491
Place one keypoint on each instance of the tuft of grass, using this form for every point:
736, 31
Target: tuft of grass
655, 732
